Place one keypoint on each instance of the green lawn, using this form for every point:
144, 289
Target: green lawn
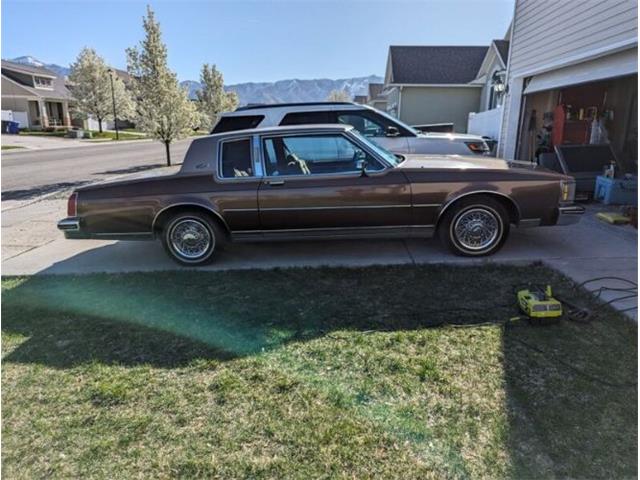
10, 147
43, 133
94, 133
307, 373
112, 135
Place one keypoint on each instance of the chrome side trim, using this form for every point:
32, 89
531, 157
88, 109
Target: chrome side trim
188, 204
339, 207
476, 192
427, 205
320, 229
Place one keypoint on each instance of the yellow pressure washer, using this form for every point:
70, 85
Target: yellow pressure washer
539, 305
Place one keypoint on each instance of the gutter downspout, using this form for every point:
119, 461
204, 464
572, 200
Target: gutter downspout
507, 79
400, 102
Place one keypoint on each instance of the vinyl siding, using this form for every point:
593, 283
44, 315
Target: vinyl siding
547, 33
423, 105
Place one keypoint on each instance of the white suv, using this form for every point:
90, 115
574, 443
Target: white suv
385, 130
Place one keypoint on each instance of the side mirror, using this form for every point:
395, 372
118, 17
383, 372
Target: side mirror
392, 131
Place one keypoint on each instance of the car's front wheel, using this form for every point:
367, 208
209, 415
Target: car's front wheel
475, 227
190, 238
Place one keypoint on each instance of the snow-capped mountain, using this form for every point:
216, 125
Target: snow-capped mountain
29, 60
293, 90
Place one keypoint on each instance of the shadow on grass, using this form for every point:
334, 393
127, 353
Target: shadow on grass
166, 318
560, 423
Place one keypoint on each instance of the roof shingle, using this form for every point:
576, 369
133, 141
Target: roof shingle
503, 49
435, 65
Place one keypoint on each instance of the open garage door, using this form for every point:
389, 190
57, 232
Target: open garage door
615, 65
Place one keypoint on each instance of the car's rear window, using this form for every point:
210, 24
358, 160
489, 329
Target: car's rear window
235, 159
231, 124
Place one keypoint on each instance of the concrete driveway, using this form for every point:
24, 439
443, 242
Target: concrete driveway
31, 244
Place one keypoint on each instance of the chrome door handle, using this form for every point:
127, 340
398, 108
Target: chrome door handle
275, 183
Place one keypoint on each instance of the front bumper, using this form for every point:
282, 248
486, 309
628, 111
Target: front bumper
569, 214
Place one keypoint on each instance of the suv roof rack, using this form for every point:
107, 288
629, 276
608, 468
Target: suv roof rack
258, 106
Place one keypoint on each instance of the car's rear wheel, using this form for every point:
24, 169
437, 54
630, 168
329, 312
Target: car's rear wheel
475, 227
191, 238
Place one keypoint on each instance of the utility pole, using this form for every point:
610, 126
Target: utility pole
113, 99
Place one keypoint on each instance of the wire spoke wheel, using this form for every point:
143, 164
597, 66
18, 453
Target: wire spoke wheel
477, 228
190, 238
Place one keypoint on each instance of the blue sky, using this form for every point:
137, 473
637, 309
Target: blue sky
252, 40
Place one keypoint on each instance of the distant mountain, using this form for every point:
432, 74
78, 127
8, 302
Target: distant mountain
292, 90
29, 60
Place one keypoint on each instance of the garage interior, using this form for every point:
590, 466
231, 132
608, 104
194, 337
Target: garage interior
586, 128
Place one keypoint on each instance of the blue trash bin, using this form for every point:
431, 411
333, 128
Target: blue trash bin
14, 127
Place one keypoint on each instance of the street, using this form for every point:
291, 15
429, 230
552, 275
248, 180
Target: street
27, 175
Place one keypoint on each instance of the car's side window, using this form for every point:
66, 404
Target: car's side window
314, 155
231, 124
306, 118
366, 126
235, 159
370, 123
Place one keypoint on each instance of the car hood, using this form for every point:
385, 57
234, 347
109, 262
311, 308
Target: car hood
471, 162
456, 162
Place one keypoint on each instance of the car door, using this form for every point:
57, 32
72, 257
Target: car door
313, 183
376, 128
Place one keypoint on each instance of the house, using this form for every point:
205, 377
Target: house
487, 120
375, 98
35, 96
433, 84
361, 99
573, 66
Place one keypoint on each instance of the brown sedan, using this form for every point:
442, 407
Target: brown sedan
320, 181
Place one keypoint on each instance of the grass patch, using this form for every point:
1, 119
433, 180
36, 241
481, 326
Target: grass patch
10, 147
44, 133
112, 136
289, 373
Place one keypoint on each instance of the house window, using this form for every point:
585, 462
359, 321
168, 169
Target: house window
43, 82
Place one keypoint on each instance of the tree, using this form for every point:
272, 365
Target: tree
163, 109
91, 87
212, 98
339, 96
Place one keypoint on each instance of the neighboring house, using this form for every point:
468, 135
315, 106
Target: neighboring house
36, 97
487, 120
571, 62
361, 99
433, 84
376, 99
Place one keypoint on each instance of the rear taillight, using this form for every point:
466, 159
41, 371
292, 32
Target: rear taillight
72, 205
477, 147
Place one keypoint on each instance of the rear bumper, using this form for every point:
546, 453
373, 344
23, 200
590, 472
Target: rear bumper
69, 224
71, 228
569, 214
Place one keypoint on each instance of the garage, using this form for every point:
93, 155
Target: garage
582, 119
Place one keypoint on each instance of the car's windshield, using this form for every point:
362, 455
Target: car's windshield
384, 153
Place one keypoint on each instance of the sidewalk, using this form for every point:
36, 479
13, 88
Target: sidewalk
32, 244
36, 142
